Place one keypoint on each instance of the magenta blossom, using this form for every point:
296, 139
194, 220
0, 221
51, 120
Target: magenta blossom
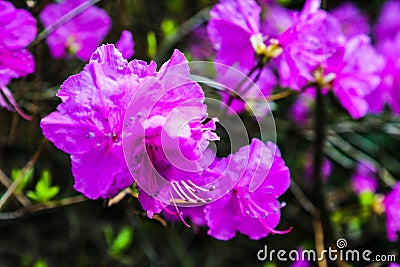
355, 73
165, 135
364, 178
125, 44
277, 19
392, 210
79, 36
352, 20
388, 92
95, 104
17, 31
388, 24
199, 44
256, 213
309, 42
387, 35
231, 27
88, 124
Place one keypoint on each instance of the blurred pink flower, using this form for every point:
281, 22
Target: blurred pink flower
79, 36
125, 44
17, 31
392, 210
364, 178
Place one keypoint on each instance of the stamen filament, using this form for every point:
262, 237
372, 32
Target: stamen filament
197, 187
177, 210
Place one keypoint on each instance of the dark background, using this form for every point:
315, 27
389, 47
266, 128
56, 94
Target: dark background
75, 235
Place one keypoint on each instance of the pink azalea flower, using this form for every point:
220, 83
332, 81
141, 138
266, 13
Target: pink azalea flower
199, 44
17, 31
388, 92
364, 178
352, 20
88, 124
232, 24
355, 73
277, 19
313, 37
392, 210
79, 36
388, 24
253, 213
125, 44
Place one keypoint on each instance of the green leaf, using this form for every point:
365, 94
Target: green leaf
122, 241
366, 198
151, 44
43, 189
15, 173
168, 27
40, 263
134, 188
109, 234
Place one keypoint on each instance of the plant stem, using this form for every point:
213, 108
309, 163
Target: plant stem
232, 95
319, 197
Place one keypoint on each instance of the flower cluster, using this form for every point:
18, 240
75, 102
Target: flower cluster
310, 50
73, 26
330, 51
125, 122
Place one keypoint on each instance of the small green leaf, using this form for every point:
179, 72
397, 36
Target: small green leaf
109, 234
134, 188
43, 189
168, 27
15, 173
366, 198
151, 44
40, 263
122, 241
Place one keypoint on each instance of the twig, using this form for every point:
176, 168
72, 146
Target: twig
42, 206
64, 19
319, 240
7, 182
119, 197
234, 94
319, 141
280, 95
302, 198
17, 181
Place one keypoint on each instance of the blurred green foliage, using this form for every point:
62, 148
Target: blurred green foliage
44, 191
